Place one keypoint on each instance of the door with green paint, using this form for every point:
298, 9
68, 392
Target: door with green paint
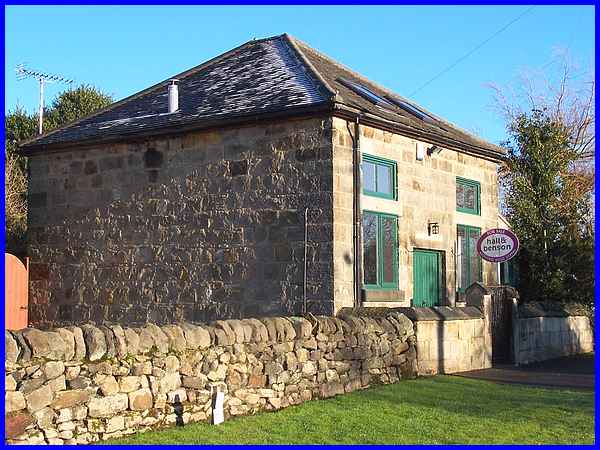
427, 277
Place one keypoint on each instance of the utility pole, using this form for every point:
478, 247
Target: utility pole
23, 72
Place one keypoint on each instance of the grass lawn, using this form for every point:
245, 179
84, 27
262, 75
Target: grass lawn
438, 410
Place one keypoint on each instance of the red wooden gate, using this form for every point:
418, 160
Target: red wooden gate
16, 292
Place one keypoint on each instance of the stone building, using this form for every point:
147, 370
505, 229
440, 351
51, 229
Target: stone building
269, 180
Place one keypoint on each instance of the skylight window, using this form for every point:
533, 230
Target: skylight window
411, 109
365, 92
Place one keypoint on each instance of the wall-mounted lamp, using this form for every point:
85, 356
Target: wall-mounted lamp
434, 149
433, 228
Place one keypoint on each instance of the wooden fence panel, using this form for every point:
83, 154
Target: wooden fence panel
16, 292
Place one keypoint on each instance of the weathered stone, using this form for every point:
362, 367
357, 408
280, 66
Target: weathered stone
14, 401
78, 412
257, 381
25, 352
39, 398
28, 386
58, 384
218, 374
129, 383
160, 339
95, 342
309, 368
310, 343
69, 340
107, 383
267, 393
120, 340
302, 327
222, 338
68, 399
38, 341
238, 330
170, 382
172, 364
108, 406
15, 425
275, 402
53, 369
247, 330
269, 324
198, 382
260, 331
330, 389
11, 349
115, 424
80, 349
109, 338
133, 341
140, 400
45, 418
9, 383
273, 368
79, 383
145, 341
72, 372
226, 327
176, 338
195, 336
144, 368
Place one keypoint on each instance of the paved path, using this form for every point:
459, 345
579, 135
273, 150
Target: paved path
570, 372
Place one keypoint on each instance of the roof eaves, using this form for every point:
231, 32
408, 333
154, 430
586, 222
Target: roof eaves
233, 120
488, 151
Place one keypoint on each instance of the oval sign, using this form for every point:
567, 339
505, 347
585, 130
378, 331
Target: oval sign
497, 245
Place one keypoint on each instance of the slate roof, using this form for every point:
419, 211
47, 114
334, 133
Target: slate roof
279, 74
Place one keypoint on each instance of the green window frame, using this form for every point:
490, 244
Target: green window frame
469, 254
381, 164
385, 275
469, 184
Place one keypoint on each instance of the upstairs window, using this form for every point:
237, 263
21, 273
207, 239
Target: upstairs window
468, 196
379, 177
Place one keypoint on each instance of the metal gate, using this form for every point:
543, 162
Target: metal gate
501, 323
16, 292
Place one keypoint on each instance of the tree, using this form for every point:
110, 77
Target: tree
73, 104
547, 189
68, 106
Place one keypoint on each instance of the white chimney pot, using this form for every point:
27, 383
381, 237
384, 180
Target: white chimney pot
173, 96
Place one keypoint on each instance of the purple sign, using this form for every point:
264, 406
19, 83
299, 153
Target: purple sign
497, 245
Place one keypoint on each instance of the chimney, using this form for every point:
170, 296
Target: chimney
173, 95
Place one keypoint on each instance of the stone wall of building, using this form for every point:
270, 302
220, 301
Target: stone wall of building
542, 338
426, 193
198, 226
83, 384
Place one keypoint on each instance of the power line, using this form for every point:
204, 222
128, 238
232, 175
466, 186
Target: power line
465, 56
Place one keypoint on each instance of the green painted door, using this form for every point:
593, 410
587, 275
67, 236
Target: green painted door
426, 278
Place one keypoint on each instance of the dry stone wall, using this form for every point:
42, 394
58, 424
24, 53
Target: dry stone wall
84, 384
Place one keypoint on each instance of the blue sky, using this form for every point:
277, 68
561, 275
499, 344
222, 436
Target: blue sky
125, 49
